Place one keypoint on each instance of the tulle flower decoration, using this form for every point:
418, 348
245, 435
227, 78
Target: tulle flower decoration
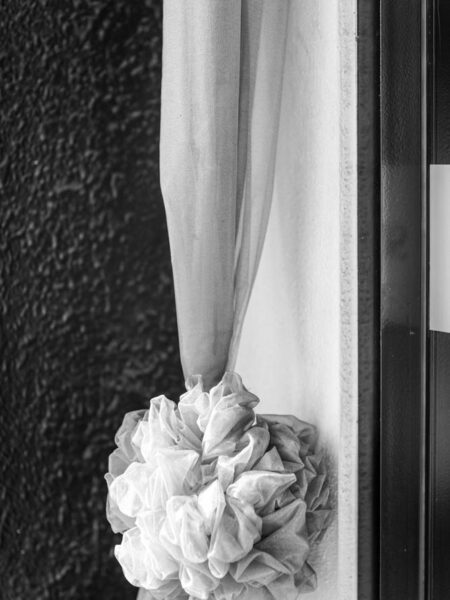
215, 502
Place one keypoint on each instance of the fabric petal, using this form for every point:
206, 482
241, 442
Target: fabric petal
161, 562
124, 435
306, 432
184, 527
118, 463
231, 416
259, 488
197, 580
229, 589
195, 405
128, 491
271, 461
258, 568
211, 504
117, 519
284, 536
283, 587
292, 437
233, 536
180, 470
318, 492
170, 591
306, 579
132, 556
160, 430
317, 522
249, 450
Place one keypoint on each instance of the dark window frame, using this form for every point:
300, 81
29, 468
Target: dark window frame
392, 283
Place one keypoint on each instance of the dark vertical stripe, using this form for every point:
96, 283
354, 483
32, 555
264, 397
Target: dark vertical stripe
368, 297
401, 573
439, 449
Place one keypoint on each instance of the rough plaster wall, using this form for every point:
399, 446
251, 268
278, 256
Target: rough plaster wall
88, 326
299, 344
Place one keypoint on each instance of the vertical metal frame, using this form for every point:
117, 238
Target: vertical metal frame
392, 265
438, 551
402, 301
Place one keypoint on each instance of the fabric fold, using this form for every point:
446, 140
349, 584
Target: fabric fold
220, 108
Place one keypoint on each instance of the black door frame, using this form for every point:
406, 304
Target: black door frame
438, 517
403, 311
392, 258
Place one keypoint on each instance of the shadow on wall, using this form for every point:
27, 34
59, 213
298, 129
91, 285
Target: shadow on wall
88, 328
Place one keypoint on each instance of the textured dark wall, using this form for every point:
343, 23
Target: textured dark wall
88, 326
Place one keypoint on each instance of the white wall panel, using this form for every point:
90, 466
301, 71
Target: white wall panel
299, 346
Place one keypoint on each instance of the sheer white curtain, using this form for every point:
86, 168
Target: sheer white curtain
229, 68
223, 65
258, 134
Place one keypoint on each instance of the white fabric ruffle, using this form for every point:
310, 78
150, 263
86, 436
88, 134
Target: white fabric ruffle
213, 501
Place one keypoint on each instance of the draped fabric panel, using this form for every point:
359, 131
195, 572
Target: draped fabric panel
223, 65
257, 133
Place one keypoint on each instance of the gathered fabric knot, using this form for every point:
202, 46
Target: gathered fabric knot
213, 501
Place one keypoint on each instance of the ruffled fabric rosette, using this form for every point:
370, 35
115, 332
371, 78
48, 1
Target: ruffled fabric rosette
214, 501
